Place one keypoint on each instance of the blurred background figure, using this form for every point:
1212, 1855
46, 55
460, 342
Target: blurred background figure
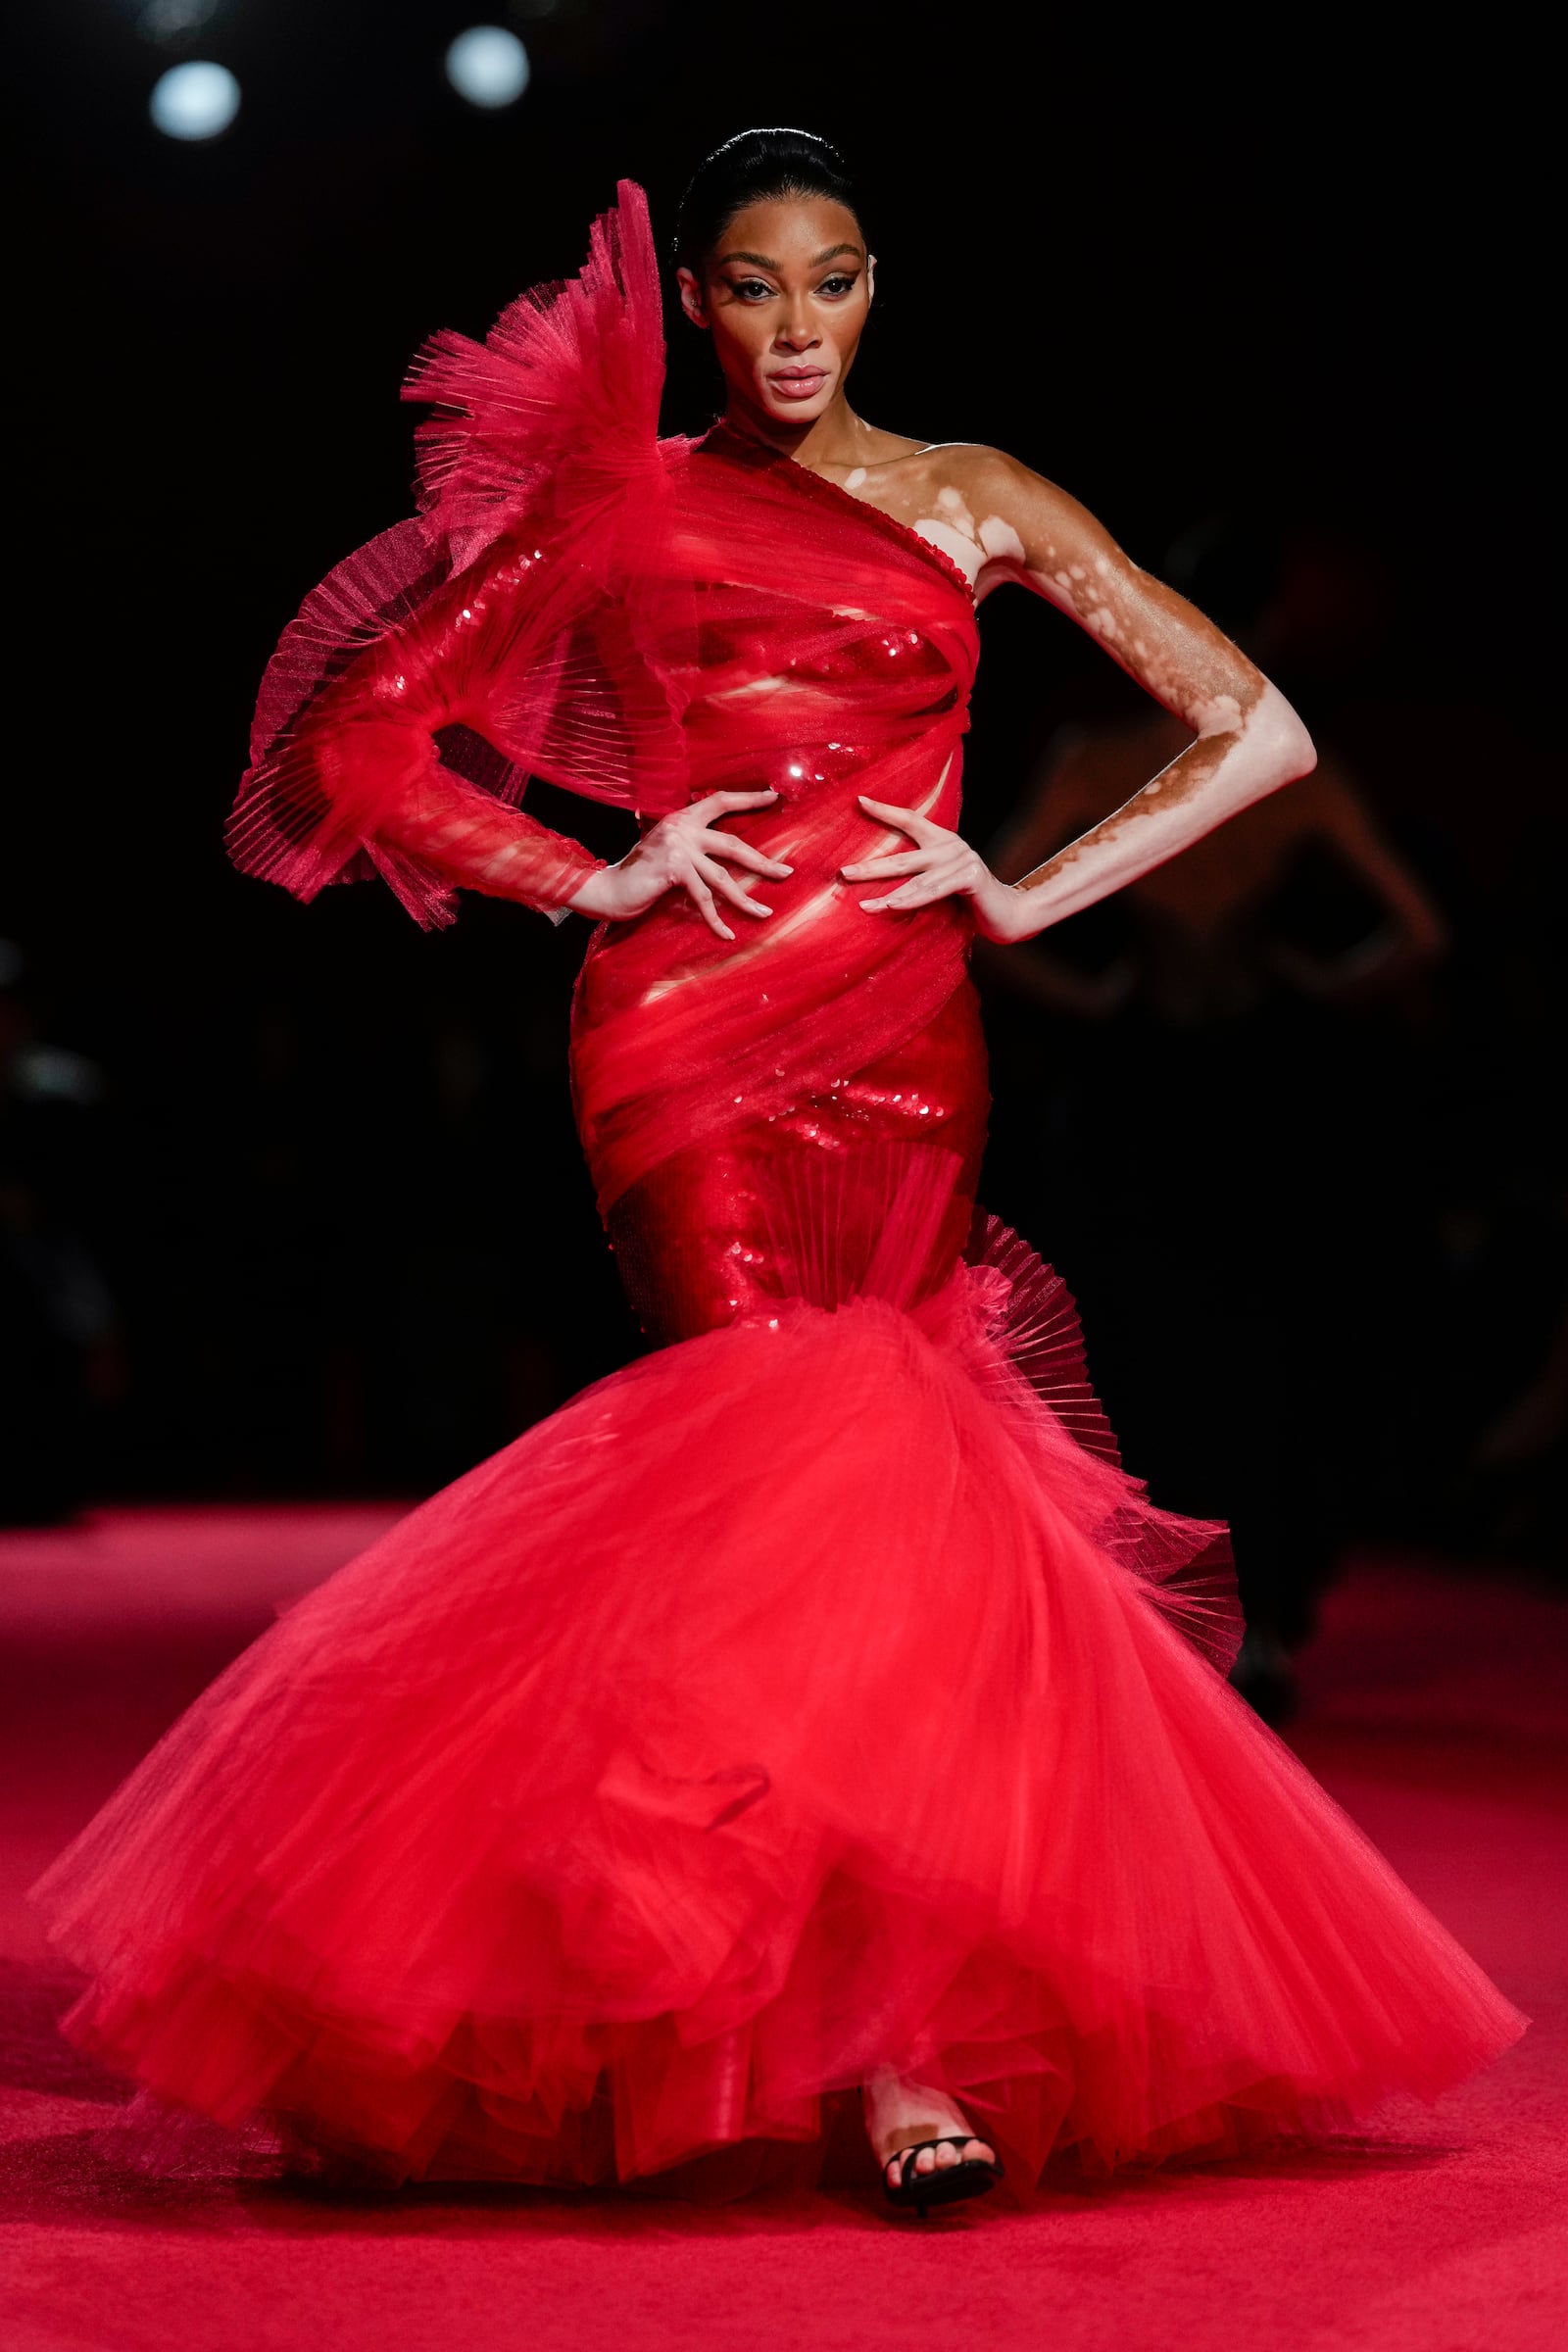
1214, 1154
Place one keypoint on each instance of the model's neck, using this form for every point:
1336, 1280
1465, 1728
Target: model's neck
837, 437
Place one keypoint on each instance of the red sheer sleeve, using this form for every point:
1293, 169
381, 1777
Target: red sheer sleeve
499, 634
392, 767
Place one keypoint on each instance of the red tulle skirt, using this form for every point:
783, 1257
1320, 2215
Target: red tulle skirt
788, 1705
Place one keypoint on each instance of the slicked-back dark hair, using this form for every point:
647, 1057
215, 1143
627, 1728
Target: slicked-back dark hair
752, 165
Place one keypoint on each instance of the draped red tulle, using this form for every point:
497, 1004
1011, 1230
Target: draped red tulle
819, 1694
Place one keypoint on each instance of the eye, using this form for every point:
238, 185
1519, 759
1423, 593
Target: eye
841, 282
750, 289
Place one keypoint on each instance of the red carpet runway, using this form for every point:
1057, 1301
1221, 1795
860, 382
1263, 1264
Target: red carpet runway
1437, 1712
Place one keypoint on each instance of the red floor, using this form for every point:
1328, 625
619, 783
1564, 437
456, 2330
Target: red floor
1435, 1713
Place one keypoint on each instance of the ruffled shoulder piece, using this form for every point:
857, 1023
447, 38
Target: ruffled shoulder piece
571, 373
549, 427
567, 379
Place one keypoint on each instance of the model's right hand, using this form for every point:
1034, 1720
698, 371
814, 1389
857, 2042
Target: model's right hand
683, 852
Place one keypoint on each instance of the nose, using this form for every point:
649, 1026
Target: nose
795, 332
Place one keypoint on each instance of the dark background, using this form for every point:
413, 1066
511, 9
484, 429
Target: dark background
294, 1205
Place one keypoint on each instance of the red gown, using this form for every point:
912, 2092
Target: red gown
817, 1693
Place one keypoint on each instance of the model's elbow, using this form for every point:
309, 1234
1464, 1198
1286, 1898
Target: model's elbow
1301, 751
1281, 737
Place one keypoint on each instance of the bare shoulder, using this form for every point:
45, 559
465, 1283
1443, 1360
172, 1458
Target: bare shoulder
1022, 521
899, 465
920, 466
1013, 521
991, 515
979, 466
996, 484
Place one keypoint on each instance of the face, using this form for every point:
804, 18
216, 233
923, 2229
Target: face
785, 294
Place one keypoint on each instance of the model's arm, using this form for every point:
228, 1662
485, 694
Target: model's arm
1077, 781
1249, 739
363, 767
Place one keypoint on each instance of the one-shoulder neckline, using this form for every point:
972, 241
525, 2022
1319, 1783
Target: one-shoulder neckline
905, 530
836, 494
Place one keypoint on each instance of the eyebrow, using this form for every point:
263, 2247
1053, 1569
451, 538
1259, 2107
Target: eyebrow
761, 261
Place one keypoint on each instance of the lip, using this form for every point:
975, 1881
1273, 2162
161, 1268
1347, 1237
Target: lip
797, 383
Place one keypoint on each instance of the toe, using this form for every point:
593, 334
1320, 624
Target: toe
945, 2156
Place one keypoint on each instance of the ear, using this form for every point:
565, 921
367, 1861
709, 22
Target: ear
691, 297
870, 276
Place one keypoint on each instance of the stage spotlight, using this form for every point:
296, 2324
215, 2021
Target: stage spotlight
194, 101
488, 66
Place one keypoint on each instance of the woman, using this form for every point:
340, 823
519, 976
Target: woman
800, 1709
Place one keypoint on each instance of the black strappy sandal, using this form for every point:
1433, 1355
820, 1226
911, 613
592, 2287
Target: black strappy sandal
943, 2185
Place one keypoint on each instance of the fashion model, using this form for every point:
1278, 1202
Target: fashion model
813, 1709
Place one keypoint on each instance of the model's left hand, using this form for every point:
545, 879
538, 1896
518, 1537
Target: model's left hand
941, 866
